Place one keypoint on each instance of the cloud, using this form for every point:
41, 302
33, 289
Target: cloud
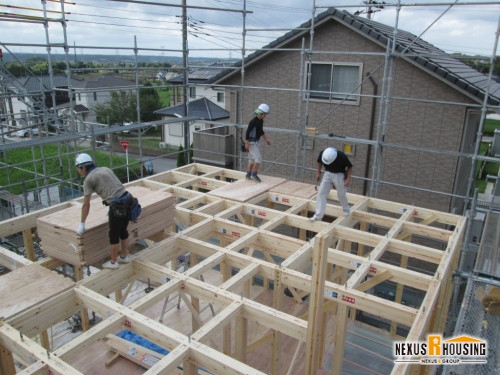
112, 27
466, 29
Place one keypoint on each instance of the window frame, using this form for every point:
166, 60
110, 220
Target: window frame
334, 96
192, 92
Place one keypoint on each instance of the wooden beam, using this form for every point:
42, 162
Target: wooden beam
26, 350
373, 281
11, 260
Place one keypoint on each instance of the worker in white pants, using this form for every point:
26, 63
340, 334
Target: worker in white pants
338, 172
255, 131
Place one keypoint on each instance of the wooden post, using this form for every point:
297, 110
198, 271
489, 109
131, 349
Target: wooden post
7, 366
316, 303
28, 245
277, 336
84, 315
339, 342
241, 338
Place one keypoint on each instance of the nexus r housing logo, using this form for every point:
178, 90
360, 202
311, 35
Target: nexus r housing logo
436, 351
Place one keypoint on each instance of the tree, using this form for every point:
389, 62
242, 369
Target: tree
119, 109
122, 107
180, 157
150, 102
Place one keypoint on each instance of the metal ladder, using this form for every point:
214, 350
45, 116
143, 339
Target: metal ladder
185, 266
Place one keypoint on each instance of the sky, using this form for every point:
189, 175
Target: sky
216, 26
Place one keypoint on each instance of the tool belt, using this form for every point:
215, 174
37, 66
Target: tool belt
120, 207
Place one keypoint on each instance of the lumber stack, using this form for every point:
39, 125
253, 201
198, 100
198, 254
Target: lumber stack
59, 239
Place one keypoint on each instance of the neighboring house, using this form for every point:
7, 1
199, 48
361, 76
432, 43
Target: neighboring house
435, 105
71, 117
98, 90
31, 99
204, 109
197, 85
165, 76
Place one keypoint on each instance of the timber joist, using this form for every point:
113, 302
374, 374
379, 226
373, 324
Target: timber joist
236, 248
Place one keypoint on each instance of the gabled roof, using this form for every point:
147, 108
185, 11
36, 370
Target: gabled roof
416, 50
201, 75
202, 108
105, 81
43, 83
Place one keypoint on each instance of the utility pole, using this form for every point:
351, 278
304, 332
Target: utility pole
185, 80
370, 5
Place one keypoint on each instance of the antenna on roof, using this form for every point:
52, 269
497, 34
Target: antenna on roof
370, 5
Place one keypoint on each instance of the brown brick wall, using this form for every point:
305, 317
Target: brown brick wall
415, 118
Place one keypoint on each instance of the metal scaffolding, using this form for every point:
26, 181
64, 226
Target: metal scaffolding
484, 272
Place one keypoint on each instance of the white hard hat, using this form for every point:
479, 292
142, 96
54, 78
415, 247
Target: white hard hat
83, 159
263, 108
329, 155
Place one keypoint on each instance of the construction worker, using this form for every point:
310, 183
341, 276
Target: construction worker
148, 167
338, 171
103, 182
255, 131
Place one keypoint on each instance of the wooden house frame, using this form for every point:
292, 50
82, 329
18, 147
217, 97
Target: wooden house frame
259, 240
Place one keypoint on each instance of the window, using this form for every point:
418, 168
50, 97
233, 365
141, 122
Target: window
220, 97
95, 96
175, 130
335, 81
192, 92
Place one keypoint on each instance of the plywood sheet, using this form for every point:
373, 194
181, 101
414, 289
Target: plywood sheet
28, 286
244, 190
59, 240
295, 189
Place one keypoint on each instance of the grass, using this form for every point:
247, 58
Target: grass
23, 174
164, 94
490, 125
484, 169
149, 143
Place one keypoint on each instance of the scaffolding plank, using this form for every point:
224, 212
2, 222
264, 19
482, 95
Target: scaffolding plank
296, 189
244, 190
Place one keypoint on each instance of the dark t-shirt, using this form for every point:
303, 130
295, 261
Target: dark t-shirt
340, 164
255, 129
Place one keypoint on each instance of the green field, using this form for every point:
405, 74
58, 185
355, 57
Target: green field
53, 165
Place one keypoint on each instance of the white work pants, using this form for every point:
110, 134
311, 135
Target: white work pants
254, 155
329, 179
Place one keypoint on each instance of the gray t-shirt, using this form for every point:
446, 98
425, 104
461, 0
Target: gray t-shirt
104, 183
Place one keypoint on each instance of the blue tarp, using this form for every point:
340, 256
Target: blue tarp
136, 339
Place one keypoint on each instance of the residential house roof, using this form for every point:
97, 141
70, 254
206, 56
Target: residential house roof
201, 75
105, 81
44, 83
413, 49
80, 108
202, 108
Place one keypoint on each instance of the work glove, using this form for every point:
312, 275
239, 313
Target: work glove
81, 229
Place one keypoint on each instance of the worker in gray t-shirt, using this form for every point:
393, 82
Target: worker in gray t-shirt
103, 182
